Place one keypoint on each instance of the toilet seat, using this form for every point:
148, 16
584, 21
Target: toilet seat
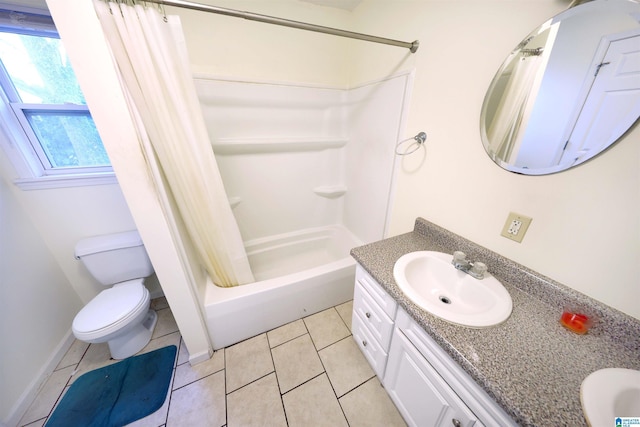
111, 309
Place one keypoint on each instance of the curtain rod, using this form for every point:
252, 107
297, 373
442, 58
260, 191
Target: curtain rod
413, 46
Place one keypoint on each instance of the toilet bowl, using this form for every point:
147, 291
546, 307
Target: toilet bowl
119, 315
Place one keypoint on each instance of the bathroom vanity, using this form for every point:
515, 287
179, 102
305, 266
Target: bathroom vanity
524, 371
426, 385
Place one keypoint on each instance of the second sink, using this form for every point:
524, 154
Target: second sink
430, 280
610, 393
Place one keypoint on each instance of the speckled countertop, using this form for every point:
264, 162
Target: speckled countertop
530, 365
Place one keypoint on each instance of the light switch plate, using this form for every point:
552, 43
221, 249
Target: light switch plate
515, 227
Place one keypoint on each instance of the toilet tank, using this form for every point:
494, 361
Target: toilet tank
115, 258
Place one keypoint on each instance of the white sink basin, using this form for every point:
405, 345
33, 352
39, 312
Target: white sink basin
430, 280
610, 393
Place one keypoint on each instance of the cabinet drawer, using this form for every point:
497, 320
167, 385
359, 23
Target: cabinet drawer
376, 356
379, 295
372, 315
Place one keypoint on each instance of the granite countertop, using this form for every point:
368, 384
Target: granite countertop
530, 365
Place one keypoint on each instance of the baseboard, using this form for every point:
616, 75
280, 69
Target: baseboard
203, 356
29, 394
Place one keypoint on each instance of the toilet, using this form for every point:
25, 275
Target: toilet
119, 315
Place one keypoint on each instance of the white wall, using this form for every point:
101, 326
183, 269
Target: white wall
586, 221
232, 47
64, 216
37, 306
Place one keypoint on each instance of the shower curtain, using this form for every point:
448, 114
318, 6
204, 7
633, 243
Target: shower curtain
150, 53
504, 130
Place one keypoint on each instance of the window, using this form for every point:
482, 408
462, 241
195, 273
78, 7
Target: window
45, 114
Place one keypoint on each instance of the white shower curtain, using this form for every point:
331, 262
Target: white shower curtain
504, 129
150, 53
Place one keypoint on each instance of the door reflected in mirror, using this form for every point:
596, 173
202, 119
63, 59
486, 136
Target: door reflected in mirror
568, 91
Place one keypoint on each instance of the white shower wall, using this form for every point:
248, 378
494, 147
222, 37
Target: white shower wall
302, 157
376, 118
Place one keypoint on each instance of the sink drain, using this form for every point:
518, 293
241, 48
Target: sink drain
445, 300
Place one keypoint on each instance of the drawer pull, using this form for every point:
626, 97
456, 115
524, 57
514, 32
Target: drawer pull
364, 343
456, 423
367, 314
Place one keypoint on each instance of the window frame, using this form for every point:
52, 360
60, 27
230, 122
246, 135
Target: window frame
19, 140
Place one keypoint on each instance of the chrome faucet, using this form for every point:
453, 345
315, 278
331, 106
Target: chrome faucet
474, 269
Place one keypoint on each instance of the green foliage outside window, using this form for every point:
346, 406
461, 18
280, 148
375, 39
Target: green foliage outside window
42, 88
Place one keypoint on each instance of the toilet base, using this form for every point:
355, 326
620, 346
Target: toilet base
134, 340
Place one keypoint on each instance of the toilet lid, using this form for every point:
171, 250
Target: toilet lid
110, 306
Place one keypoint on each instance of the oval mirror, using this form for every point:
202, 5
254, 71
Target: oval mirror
568, 91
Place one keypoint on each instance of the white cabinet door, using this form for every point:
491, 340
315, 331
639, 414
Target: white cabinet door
421, 395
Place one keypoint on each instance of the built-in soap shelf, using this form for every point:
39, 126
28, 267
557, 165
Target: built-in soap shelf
330, 191
275, 145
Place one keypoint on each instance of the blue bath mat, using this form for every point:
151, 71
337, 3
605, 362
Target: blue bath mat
117, 394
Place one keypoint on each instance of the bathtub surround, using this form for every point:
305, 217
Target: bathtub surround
303, 166
297, 157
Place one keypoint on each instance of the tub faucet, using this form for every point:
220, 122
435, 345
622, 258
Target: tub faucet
474, 269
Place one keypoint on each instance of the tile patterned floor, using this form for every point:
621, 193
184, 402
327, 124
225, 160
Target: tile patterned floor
307, 373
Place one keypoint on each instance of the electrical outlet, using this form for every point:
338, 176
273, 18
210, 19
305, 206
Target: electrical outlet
515, 227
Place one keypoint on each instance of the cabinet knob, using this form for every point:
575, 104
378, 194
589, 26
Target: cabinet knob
364, 343
456, 422
367, 314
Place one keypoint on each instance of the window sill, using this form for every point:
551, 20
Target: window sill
62, 181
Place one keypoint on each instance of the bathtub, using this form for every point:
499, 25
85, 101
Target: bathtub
297, 274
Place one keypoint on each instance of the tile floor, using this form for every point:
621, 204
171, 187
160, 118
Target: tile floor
307, 373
